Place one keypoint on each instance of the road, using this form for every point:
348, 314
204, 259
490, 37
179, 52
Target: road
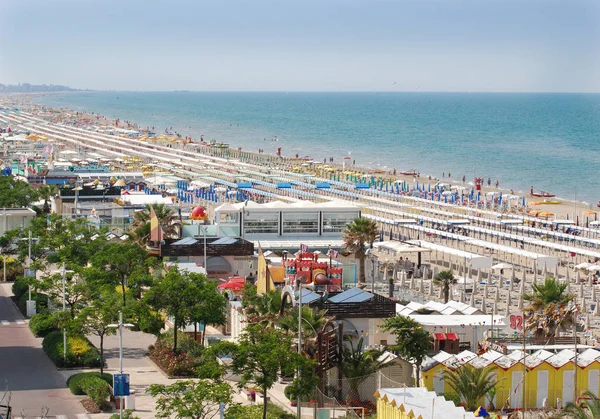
31, 378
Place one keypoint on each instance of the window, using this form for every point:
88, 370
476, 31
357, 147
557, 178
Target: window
229, 217
335, 222
261, 223
300, 222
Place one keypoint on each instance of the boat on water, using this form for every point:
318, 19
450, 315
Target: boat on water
541, 194
411, 172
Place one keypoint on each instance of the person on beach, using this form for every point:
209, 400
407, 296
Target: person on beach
443, 174
497, 183
489, 182
464, 178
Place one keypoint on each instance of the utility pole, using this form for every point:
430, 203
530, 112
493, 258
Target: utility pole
64, 280
299, 280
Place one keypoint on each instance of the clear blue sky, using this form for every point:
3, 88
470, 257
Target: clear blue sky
314, 45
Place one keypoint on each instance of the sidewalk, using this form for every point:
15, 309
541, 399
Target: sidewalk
143, 372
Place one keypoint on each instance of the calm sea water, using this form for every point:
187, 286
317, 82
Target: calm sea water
549, 141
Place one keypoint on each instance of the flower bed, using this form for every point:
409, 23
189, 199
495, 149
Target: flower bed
80, 352
173, 364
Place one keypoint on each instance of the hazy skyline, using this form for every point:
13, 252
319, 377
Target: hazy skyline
309, 45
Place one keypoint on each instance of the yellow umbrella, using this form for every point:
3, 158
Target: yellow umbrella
546, 214
120, 183
589, 212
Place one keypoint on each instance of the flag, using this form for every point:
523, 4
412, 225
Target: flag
156, 233
333, 253
264, 283
303, 248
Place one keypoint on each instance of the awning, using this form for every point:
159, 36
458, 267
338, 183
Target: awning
440, 336
451, 336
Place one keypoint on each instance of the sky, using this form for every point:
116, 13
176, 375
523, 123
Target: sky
303, 45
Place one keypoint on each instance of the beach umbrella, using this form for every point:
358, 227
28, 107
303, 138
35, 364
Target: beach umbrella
495, 308
421, 284
513, 277
430, 291
412, 283
580, 290
472, 300
593, 293
502, 265
441, 293
567, 274
522, 291
578, 277
508, 299
545, 271
497, 295
483, 309
485, 289
596, 308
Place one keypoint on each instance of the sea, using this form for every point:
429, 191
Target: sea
547, 141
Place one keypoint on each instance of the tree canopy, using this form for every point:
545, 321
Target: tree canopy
16, 193
413, 342
357, 234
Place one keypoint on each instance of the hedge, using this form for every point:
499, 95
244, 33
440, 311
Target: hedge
74, 382
20, 287
42, 324
96, 389
80, 352
41, 302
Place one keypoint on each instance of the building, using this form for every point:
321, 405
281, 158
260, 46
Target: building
280, 225
415, 403
543, 378
15, 217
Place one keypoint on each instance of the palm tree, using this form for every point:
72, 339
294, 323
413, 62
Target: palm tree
357, 365
261, 309
588, 409
313, 321
470, 384
167, 219
445, 279
47, 192
357, 234
548, 308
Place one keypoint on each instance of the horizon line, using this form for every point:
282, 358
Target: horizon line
76, 90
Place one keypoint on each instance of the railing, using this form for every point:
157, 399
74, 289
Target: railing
240, 248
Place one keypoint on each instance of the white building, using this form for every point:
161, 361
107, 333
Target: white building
282, 225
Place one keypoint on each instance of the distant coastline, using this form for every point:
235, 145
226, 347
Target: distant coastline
243, 119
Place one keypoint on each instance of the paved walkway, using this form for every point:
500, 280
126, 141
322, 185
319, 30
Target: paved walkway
31, 378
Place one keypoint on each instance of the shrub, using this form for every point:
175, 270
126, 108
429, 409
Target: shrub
96, 389
19, 287
53, 346
127, 414
255, 412
174, 364
42, 323
41, 301
74, 381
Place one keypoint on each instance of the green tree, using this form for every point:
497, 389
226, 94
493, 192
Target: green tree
357, 365
587, 409
261, 309
260, 355
16, 193
445, 279
209, 305
548, 308
190, 399
471, 384
124, 262
413, 342
175, 293
357, 234
167, 219
95, 318
47, 192
313, 321
76, 292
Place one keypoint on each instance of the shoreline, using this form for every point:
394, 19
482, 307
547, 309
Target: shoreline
567, 208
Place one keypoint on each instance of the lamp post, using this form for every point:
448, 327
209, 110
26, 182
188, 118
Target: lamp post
204, 228
64, 281
299, 281
120, 326
4, 232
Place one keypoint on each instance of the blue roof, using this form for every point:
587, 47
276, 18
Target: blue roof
244, 185
353, 295
225, 240
323, 185
308, 296
362, 186
284, 185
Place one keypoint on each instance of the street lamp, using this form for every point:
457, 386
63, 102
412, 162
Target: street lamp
120, 326
204, 230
